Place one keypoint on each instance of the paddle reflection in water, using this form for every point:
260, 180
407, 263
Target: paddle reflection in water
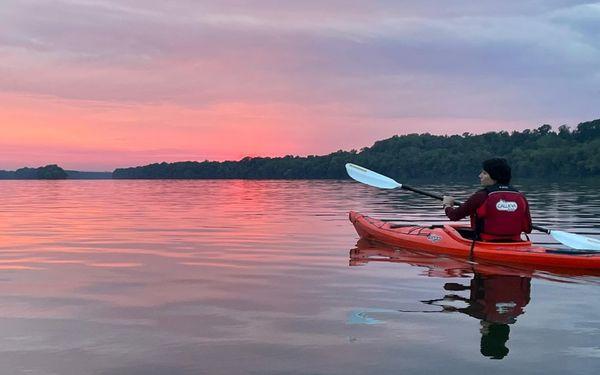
496, 295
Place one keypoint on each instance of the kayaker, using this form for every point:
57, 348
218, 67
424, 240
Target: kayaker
498, 212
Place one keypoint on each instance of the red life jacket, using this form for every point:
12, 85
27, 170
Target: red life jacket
503, 215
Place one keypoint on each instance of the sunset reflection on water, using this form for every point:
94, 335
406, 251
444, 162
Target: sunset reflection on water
224, 277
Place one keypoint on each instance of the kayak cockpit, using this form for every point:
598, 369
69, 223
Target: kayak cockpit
458, 232
466, 233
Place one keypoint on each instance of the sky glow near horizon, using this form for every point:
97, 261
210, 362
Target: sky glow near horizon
100, 84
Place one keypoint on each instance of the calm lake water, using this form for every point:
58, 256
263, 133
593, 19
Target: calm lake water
266, 277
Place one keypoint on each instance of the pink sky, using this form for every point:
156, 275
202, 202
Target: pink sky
99, 84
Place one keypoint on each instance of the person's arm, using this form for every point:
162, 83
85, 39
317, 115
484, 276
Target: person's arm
468, 208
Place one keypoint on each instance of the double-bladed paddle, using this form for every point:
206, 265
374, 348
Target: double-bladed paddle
366, 176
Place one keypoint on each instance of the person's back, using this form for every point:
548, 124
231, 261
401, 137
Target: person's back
498, 212
504, 215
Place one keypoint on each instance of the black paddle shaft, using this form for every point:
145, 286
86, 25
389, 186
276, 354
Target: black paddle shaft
439, 197
434, 196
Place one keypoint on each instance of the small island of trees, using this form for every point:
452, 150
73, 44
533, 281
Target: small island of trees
49, 172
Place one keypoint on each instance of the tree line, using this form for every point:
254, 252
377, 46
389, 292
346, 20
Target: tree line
532, 153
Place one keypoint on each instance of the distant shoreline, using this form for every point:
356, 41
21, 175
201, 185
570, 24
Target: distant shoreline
53, 172
533, 154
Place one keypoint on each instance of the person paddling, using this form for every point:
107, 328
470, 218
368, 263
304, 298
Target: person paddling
498, 212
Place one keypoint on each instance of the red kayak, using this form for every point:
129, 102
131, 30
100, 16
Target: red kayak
451, 240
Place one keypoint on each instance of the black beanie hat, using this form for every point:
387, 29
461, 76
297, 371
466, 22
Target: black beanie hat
498, 169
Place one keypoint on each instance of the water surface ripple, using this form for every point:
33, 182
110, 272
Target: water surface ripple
266, 277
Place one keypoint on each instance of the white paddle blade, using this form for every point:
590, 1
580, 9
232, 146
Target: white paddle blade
576, 241
369, 177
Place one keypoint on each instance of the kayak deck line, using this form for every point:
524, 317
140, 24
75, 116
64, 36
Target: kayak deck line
571, 252
447, 239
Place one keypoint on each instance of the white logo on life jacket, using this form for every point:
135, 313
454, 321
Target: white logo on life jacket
503, 205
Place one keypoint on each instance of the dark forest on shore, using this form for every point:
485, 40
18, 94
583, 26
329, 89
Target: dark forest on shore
540, 153
533, 153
